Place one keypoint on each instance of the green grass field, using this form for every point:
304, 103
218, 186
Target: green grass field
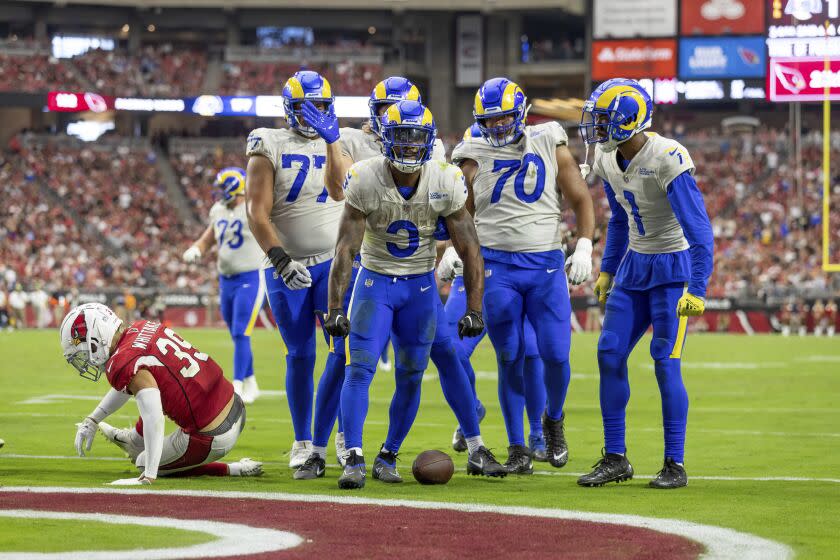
761, 407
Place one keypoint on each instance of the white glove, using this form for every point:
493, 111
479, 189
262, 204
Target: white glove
585, 168
192, 255
295, 275
579, 265
142, 481
84, 435
450, 265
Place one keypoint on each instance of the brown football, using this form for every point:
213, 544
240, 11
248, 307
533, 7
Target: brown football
433, 467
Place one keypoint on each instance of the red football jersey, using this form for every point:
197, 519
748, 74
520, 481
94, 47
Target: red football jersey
193, 389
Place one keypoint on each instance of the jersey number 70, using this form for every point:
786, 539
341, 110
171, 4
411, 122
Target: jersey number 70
511, 166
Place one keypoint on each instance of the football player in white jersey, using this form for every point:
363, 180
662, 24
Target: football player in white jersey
656, 264
241, 282
295, 223
394, 206
344, 147
516, 175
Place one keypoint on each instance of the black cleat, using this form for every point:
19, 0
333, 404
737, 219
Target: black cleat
519, 460
385, 467
484, 463
459, 442
612, 467
672, 475
557, 451
354, 473
312, 468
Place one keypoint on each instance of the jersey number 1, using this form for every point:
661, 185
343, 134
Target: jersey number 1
629, 197
179, 345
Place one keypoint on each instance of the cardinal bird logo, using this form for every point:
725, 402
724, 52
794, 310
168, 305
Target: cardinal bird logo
749, 56
79, 330
790, 78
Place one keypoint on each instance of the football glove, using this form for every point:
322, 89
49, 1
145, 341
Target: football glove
690, 305
603, 285
325, 124
141, 481
585, 168
84, 435
471, 324
579, 265
192, 255
450, 265
336, 322
294, 274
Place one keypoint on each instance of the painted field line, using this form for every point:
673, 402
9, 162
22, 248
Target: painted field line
718, 478
719, 542
232, 539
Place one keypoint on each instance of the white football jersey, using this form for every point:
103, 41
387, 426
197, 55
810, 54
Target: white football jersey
305, 217
642, 192
399, 233
238, 249
360, 145
517, 206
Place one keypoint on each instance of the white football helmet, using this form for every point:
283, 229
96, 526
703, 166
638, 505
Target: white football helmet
86, 336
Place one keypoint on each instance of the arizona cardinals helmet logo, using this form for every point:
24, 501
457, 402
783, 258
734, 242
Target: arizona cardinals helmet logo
79, 331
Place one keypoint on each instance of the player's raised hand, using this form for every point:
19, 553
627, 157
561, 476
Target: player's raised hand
294, 274
192, 255
690, 305
450, 265
603, 285
84, 435
335, 322
324, 123
471, 324
579, 265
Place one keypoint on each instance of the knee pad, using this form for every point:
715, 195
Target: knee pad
364, 359
660, 348
608, 343
409, 377
412, 358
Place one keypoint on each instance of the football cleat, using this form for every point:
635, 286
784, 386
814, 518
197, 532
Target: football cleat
483, 462
519, 460
385, 467
556, 449
459, 442
340, 449
612, 467
300, 453
314, 467
354, 472
536, 443
250, 390
672, 475
246, 467
124, 439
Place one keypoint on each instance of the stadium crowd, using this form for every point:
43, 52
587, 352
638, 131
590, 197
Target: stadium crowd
249, 78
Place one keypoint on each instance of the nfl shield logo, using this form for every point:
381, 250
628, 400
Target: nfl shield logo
368, 282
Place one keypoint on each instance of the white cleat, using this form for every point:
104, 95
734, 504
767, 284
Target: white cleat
250, 390
300, 452
384, 366
124, 439
340, 449
245, 467
238, 388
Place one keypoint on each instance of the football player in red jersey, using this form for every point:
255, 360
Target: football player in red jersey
166, 375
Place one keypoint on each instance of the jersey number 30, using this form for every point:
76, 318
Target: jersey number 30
511, 166
174, 342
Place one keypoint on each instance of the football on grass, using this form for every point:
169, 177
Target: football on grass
433, 467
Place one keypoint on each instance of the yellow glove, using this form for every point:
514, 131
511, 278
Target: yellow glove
690, 306
603, 285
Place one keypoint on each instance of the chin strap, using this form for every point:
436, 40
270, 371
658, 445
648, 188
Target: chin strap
585, 168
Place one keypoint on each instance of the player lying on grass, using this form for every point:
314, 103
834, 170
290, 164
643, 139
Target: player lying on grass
166, 375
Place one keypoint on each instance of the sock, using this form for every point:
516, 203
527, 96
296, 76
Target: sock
404, 405
473, 443
358, 451
328, 397
320, 450
299, 390
512, 399
210, 469
237, 387
535, 394
614, 394
557, 376
354, 402
456, 387
674, 407
243, 359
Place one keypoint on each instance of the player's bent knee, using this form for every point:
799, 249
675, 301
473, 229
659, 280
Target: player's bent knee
661, 348
608, 343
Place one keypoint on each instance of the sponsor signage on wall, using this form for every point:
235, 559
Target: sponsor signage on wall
719, 17
803, 28
722, 57
655, 58
469, 44
803, 79
636, 18
71, 102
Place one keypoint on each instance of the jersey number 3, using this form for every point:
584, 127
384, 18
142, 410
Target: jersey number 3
413, 239
511, 166
180, 346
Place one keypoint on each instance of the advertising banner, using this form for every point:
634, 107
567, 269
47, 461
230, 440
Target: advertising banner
469, 45
720, 17
70, 102
615, 19
634, 59
803, 28
803, 79
722, 57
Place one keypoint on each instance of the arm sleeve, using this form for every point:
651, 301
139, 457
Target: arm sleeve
687, 202
618, 234
151, 411
110, 403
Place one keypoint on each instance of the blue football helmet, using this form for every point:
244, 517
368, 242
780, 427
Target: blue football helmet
387, 92
499, 97
617, 109
231, 182
408, 135
305, 85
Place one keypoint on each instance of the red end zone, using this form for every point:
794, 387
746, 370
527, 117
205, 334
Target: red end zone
365, 531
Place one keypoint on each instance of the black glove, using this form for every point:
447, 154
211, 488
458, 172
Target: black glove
471, 324
336, 323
